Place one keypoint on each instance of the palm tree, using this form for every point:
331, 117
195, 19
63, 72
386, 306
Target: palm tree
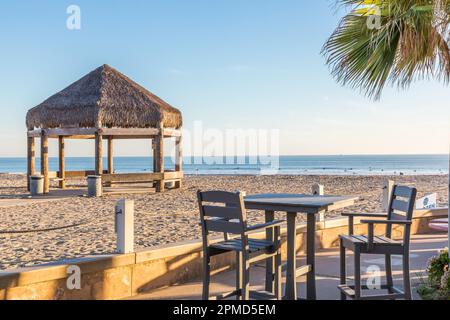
390, 42
411, 41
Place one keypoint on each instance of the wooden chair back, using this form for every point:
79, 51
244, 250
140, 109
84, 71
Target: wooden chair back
222, 212
401, 207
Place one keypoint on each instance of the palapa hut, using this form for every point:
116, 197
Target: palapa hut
105, 104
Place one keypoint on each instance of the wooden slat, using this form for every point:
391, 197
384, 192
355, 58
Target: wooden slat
173, 175
227, 295
131, 177
78, 137
403, 191
262, 295
34, 133
236, 244
376, 240
360, 239
172, 133
350, 292
71, 131
259, 244
223, 226
221, 212
396, 216
300, 271
129, 132
220, 197
76, 174
400, 205
130, 137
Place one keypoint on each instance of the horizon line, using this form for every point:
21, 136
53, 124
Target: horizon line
265, 155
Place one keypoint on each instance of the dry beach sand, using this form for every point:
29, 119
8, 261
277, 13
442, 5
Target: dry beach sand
33, 232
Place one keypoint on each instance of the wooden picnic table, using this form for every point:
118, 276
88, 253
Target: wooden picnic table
294, 204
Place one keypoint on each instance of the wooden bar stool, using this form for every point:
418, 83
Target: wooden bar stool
400, 212
224, 212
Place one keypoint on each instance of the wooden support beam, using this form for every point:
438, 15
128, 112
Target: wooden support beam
158, 155
172, 175
110, 155
98, 154
77, 174
131, 177
129, 137
178, 158
36, 133
129, 131
110, 164
62, 163
172, 132
80, 137
44, 160
31, 160
56, 132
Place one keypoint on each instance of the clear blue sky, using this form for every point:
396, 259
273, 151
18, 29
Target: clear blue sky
230, 63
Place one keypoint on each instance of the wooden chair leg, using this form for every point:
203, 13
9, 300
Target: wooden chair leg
343, 277
357, 258
271, 236
206, 276
406, 277
239, 274
389, 281
278, 277
245, 277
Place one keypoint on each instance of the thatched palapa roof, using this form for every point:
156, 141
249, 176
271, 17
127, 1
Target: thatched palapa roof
104, 97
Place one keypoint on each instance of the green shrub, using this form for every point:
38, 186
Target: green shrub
437, 287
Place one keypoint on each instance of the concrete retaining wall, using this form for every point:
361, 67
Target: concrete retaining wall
122, 276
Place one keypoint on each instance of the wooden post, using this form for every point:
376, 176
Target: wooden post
158, 155
178, 159
318, 190
98, 154
387, 193
110, 155
44, 160
110, 159
62, 165
31, 163
124, 226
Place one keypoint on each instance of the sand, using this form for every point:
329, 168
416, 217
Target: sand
37, 232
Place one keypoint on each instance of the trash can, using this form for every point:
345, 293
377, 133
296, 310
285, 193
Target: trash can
37, 185
94, 186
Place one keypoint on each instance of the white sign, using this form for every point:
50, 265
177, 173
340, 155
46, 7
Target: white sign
427, 202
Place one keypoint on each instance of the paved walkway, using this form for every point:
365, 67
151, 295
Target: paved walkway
423, 247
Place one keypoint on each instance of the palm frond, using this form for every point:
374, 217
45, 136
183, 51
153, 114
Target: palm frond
411, 42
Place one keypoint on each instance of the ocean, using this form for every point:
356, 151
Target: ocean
289, 165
